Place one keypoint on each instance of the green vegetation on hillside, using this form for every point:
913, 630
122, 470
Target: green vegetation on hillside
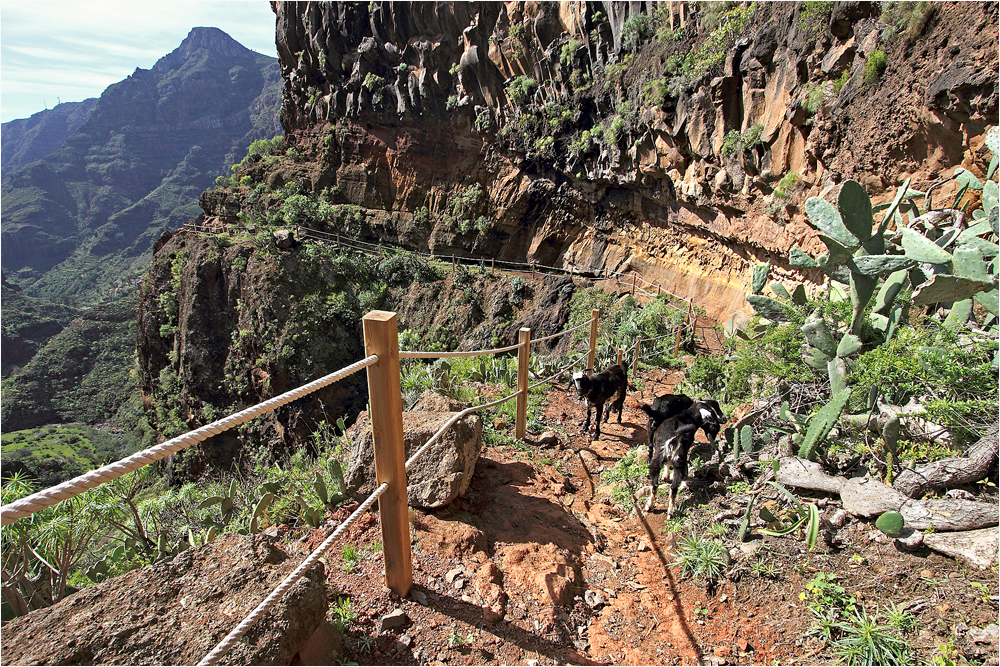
53, 454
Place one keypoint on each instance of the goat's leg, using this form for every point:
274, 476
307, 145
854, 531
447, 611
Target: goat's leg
586, 424
621, 409
599, 407
675, 485
654, 480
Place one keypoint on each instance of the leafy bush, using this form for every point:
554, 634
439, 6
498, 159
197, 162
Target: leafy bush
636, 28
520, 90
907, 18
373, 82
875, 66
841, 81
712, 53
734, 141
567, 52
784, 186
816, 95
814, 17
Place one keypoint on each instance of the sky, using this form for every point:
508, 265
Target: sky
55, 51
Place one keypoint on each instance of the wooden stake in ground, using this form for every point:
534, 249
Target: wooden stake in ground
592, 353
382, 339
523, 353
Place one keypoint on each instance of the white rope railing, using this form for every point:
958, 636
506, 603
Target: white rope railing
410, 354
560, 371
42, 499
223, 647
563, 333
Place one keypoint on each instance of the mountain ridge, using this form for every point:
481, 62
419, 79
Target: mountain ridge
79, 222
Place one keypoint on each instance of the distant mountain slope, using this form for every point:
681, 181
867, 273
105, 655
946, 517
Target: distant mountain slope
28, 139
79, 222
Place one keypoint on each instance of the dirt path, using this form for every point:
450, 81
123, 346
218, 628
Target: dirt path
510, 573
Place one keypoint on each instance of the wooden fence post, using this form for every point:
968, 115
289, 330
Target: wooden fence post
382, 339
523, 352
619, 362
493, 264
532, 272
453, 262
635, 362
592, 354
633, 284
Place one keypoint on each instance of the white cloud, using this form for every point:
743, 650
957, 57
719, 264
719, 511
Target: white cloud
70, 51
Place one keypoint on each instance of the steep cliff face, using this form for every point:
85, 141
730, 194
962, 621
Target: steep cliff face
224, 325
672, 139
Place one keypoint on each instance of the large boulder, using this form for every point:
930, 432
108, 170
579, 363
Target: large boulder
175, 613
443, 472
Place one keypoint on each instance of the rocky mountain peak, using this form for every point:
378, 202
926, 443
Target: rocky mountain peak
212, 40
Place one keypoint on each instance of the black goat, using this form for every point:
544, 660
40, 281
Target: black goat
598, 389
673, 421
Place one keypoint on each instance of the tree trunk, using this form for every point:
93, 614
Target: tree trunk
979, 460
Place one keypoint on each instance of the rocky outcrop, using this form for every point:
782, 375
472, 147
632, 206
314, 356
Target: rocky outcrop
444, 471
175, 613
221, 328
599, 144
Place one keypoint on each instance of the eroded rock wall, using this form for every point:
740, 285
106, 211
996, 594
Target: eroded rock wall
615, 153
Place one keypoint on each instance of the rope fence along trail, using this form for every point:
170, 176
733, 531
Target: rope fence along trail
380, 249
48, 497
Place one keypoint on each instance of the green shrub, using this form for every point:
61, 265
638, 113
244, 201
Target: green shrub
707, 374
814, 17
520, 90
373, 82
907, 18
732, 143
616, 128
841, 81
816, 95
875, 66
787, 182
567, 52
635, 29
712, 53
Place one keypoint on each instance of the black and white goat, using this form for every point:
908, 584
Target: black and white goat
673, 421
600, 388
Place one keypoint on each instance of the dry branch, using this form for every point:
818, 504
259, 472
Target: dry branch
867, 497
979, 460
